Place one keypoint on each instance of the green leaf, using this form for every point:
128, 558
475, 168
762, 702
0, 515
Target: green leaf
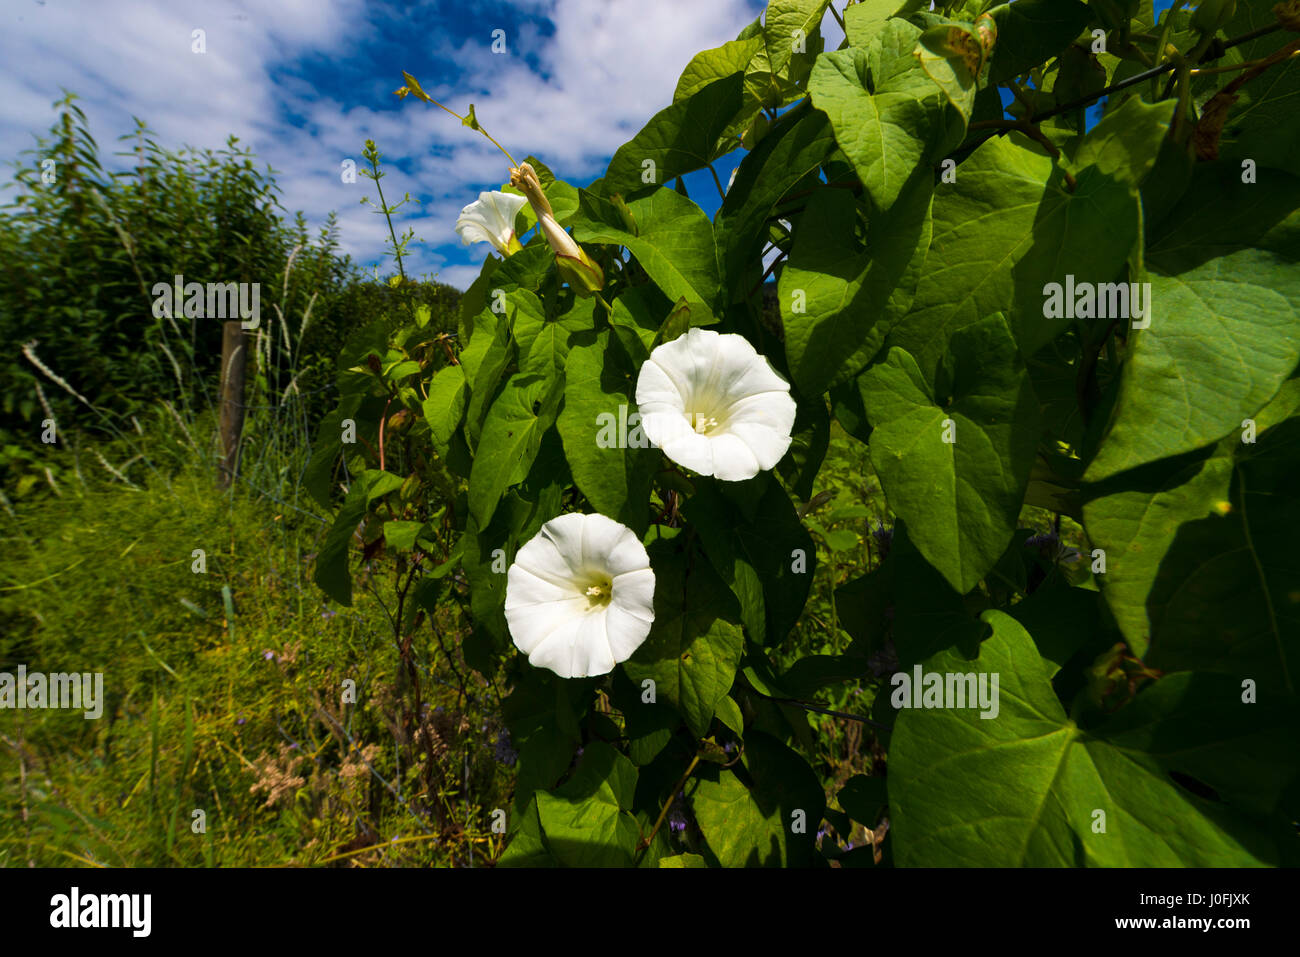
1222, 338
1201, 562
674, 244
512, 435
682, 860
863, 798
888, 116
587, 821
728, 712
784, 22
959, 490
838, 299
708, 66
863, 21
1005, 229
678, 140
757, 558
598, 434
695, 645
543, 728
485, 359
544, 343
1031, 32
1261, 126
749, 818
445, 406
332, 560
402, 535
1033, 780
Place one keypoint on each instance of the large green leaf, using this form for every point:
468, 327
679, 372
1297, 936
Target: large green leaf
887, 114
1007, 227
544, 343
673, 243
445, 406
839, 298
959, 490
1222, 339
587, 821
1032, 781
679, 139
695, 644
749, 818
598, 393
1201, 561
512, 435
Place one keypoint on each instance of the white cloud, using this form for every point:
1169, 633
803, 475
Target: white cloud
606, 68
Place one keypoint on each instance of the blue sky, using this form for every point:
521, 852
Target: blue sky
305, 82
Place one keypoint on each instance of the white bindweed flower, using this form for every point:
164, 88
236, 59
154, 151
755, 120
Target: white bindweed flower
580, 595
714, 405
491, 218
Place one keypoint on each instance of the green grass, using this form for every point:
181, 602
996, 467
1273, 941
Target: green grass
224, 693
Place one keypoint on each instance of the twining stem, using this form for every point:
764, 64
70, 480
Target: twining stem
1164, 40
1159, 69
476, 126
1248, 65
663, 813
807, 706
717, 182
839, 19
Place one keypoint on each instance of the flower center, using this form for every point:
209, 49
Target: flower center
598, 593
704, 424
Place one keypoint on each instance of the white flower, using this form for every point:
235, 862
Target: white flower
580, 595
491, 218
714, 405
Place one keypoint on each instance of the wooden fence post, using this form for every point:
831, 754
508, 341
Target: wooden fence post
234, 363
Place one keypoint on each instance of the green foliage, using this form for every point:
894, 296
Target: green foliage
1046, 411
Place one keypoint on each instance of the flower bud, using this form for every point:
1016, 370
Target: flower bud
575, 266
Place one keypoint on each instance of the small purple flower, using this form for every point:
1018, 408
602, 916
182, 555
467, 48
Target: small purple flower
240, 720
729, 747
676, 819
505, 751
268, 654
884, 538
328, 613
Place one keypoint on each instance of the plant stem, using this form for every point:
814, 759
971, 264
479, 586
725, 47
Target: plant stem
718, 183
663, 813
